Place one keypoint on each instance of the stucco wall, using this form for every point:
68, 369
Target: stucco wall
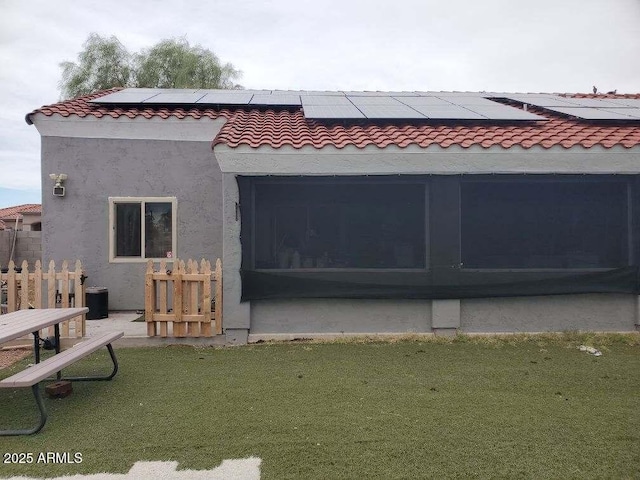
76, 226
597, 312
589, 312
340, 316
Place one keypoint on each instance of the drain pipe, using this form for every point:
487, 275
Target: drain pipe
15, 235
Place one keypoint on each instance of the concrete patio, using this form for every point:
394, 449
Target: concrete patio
135, 333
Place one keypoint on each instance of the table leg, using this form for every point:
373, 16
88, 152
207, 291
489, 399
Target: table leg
56, 330
36, 346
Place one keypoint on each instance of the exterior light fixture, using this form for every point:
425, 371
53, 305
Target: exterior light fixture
58, 188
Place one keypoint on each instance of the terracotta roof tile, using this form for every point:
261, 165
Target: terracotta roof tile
9, 214
279, 128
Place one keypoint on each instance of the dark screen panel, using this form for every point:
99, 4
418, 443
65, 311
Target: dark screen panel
544, 224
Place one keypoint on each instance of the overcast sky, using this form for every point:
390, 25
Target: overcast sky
495, 45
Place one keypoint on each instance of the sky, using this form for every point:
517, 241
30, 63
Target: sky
453, 45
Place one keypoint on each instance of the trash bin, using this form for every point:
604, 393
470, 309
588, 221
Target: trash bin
97, 300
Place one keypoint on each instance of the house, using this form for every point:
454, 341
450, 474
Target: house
357, 212
21, 217
20, 236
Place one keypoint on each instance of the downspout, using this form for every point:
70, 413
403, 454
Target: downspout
15, 235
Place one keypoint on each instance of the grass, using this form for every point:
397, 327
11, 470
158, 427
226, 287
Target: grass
471, 407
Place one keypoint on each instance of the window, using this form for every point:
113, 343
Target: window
313, 225
142, 228
544, 224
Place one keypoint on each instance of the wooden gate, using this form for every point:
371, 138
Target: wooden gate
179, 302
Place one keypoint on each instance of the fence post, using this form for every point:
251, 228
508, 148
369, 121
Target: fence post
51, 285
78, 295
150, 300
205, 267
11, 287
37, 284
24, 286
218, 300
178, 326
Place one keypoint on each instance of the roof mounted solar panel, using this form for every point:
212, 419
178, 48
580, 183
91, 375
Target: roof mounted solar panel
378, 100
466, 100
588, 113
411, 101
631, 112
284, 100
175, 98
400, 111
452, 112
379, 94
126, 96
504, 112
324, 112
590, 102
320, 92
540, 100
325, 100
225, 98
625, 102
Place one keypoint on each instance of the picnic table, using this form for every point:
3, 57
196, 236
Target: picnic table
23, 322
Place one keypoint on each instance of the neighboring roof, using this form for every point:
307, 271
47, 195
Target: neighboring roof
8, 215
278, 127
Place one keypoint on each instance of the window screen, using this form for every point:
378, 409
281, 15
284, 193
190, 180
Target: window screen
128, 232
544, 224
339, 226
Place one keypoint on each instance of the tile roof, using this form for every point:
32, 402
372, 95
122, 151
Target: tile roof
276, 128
8, 215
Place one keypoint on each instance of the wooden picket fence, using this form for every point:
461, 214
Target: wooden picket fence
178, 302
45, 289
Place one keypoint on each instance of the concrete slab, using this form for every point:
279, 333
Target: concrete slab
135, 333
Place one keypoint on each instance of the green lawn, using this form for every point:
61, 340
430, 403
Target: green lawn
532, 407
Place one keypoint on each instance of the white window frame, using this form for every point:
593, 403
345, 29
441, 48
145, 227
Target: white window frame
113, 201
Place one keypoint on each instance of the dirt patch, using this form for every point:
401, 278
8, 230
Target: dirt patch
11, 356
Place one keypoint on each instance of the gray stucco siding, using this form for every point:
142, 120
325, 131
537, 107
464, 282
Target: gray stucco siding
77, 226
340, 316
588, 312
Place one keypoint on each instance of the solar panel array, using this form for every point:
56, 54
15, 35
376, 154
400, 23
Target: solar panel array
346, 105
627, 109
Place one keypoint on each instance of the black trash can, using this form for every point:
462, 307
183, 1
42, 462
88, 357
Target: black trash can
97, 300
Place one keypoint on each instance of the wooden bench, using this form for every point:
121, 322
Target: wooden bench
33, 375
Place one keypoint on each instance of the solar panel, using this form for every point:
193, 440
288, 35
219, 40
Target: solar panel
379, 94
126, 96
631, 112
411, 101
625, 102
590, 102
324, 100
177, 98
399, 111
225, 98
452, 112
332, 112
360, 101
279, 99
320, 92
588, 113
466, 100
540, 100
503, 112
456, 94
